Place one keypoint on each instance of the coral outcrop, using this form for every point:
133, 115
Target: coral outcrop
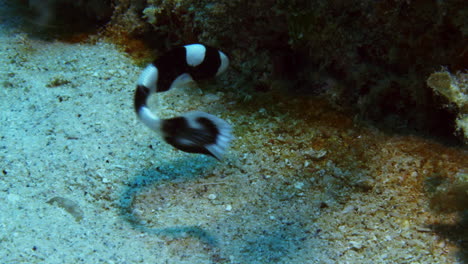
373, 56
455, 89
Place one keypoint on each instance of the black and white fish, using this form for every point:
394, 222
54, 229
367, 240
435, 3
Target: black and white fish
194, 132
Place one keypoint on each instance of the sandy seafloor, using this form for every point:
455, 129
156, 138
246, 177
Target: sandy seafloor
84, 182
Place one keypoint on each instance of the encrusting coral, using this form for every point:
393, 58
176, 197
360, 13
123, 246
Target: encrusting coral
455, 89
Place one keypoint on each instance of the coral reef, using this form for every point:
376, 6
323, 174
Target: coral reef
455, 89
382, 51
378, 53
371, 55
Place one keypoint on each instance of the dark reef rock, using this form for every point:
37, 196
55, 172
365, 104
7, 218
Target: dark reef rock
372, 55
80, 15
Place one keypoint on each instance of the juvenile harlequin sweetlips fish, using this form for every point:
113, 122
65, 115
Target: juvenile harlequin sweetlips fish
193, 132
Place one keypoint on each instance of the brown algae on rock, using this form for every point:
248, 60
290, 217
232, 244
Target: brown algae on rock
68, 205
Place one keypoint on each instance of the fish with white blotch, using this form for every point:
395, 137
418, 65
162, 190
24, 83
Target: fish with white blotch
196, 131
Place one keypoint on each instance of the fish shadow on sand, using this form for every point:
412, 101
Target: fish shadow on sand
246, 234
151, 177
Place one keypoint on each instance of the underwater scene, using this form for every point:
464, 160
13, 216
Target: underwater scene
233, 131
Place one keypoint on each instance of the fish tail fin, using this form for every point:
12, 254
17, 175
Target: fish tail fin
198, 132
